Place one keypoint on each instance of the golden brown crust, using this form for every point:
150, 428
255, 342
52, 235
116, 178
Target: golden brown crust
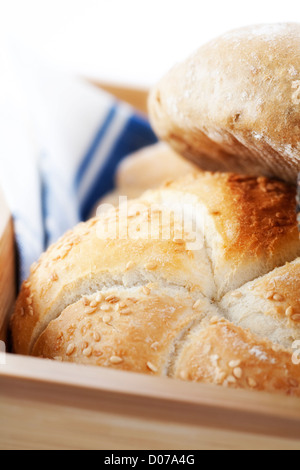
269, 306
81, 286
260, 211
134, 330
249, 223
234, 104
84, 257
224, 354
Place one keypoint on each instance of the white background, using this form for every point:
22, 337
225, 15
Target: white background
126, 41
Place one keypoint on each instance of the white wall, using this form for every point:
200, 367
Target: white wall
128, 41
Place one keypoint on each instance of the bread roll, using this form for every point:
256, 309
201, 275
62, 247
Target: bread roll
151, 167
175, 301
147, 168
234, 104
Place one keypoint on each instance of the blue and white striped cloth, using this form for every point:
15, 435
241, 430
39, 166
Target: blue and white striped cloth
59, 158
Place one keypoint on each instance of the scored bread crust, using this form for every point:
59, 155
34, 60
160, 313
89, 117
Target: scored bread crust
132, 329
234, 104
103, 301
249, 222
222, 353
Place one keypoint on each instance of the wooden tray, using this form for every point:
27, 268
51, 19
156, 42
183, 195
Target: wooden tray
50, 405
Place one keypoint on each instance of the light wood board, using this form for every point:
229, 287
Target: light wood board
44, 404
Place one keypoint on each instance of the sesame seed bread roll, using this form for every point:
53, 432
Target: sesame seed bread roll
234, 104
133, 329
165, 284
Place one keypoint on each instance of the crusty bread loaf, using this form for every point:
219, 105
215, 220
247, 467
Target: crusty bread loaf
234, 104
178, 302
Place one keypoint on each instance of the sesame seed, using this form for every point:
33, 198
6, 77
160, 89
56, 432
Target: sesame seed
234, 364
123, 304
269, 295
84, 345
87, 352
214, 320
178, 241
146, 291
54, 277
129, 265
278, 298
99, 297
97, 353
231, 379
30, 311
85, 301
89, 310
238, 373
236, 294
22, 312
112, 299
116, 360
29, 300
296, 317
125, 311
152, 367
289, 311
27, 285
96, 336
220, 377
183, 375
94, 304
105, 308
70, 349
251, 382
197, 304
151, 266
154, 345
83, 330
106, 318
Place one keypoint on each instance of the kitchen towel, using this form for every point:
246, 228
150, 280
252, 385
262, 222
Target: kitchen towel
61, 158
